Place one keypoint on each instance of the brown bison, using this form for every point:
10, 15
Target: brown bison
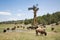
23, 27
41, 31
13, 28
44, 26
52, 28
4, 30
17, 26
8, 29
31, 27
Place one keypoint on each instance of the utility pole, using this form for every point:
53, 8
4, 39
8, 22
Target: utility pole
35, 9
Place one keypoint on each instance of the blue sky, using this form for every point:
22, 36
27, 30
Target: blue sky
18, 9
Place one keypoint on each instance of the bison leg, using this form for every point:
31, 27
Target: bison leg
36, 32
41, 33
45, 33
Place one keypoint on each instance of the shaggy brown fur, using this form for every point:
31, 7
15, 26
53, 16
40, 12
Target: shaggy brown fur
41, 31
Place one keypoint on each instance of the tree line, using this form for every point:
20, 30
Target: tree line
45, 19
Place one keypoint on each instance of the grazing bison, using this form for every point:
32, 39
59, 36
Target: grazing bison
4, 30
13, 28
44, 26
31, 27
41, 31
23, 27
17, 26
52, 28
8, 29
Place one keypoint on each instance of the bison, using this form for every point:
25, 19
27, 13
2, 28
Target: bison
17, 26
41, 31
52, 28
8, 29
4, 30
13, 28
31, 27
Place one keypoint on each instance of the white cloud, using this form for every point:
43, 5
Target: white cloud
5, 13
13, 19
20, 15
9, 19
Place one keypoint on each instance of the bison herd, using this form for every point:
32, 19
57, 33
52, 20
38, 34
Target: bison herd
13, 28
41, 30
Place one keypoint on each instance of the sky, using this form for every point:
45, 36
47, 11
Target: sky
18, 9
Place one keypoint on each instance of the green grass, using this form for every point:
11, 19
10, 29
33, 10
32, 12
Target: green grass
28, 35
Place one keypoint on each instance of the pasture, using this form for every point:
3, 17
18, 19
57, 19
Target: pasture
28, 34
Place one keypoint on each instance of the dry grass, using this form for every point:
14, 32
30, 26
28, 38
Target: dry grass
29, 35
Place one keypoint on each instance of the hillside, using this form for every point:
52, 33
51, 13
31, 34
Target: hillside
45, 19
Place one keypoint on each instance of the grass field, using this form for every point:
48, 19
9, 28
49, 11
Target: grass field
29, 34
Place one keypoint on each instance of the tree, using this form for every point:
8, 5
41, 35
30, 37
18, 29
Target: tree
35, 9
